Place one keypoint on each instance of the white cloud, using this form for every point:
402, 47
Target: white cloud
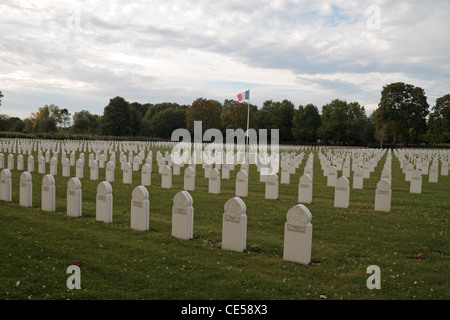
79, 55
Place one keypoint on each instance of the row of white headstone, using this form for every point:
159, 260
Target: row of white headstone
298, 228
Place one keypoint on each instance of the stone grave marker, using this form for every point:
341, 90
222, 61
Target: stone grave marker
146, 175
66, 167
234, 225
20, 162
26, 190
433, 174
189, 179
358, 178
74, 194
214, 181
140, 209
48, 193
54, 166
110, 168
271, 186
383, 196
241, 184
166, 177
104, 203
10, 161
332, 176
415, 185
305, 189
183, 216
298, 235
127, 173
342, 193
5, 185
79, 169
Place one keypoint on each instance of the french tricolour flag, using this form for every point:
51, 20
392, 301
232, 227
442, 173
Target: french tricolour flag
244, 95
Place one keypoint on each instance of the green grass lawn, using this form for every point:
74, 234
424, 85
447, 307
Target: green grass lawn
37, 247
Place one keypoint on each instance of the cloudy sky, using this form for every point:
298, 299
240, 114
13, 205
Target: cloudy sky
80, 54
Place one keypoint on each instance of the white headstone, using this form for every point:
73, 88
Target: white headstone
298, 235
226, 171
5, 185
415, 185
127, 173
146, 175
271, 186
74, 194
183, 216
383, 196
140, 209
358, 178
285, 175
54, 166
2, 161
214, 181
66, 167
41, 164
241, 184
342, 193
48, 193
20, 162
26, 189
104, 204
166, 177
234, 225
189, 179
110, 167
408, 171
79, 169
332, 176
10, 161
433, 174
94, 169
305, 189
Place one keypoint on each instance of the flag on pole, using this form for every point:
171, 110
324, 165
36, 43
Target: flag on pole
244, 95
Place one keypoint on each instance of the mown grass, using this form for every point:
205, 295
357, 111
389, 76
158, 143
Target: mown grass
36, 247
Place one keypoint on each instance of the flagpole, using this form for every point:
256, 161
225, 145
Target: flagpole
248, 118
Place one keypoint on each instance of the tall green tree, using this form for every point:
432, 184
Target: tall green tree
205, 110
166, 121
116, 118
439, 121
402, 112
306, 123
343, 123
86, 122
234, 116
46, 119
277, 115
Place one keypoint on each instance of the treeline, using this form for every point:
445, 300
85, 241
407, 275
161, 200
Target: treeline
402, 118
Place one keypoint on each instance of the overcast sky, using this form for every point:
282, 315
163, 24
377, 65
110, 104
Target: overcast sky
79, 54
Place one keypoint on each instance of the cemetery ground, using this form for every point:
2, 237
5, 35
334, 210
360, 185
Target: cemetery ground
409, 244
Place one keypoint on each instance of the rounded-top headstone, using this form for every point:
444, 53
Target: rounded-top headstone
74, 184
48, 180
235, 206
383, 184
183, 199
140, 193
25, 177
104, 188
298, 214
5, 174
